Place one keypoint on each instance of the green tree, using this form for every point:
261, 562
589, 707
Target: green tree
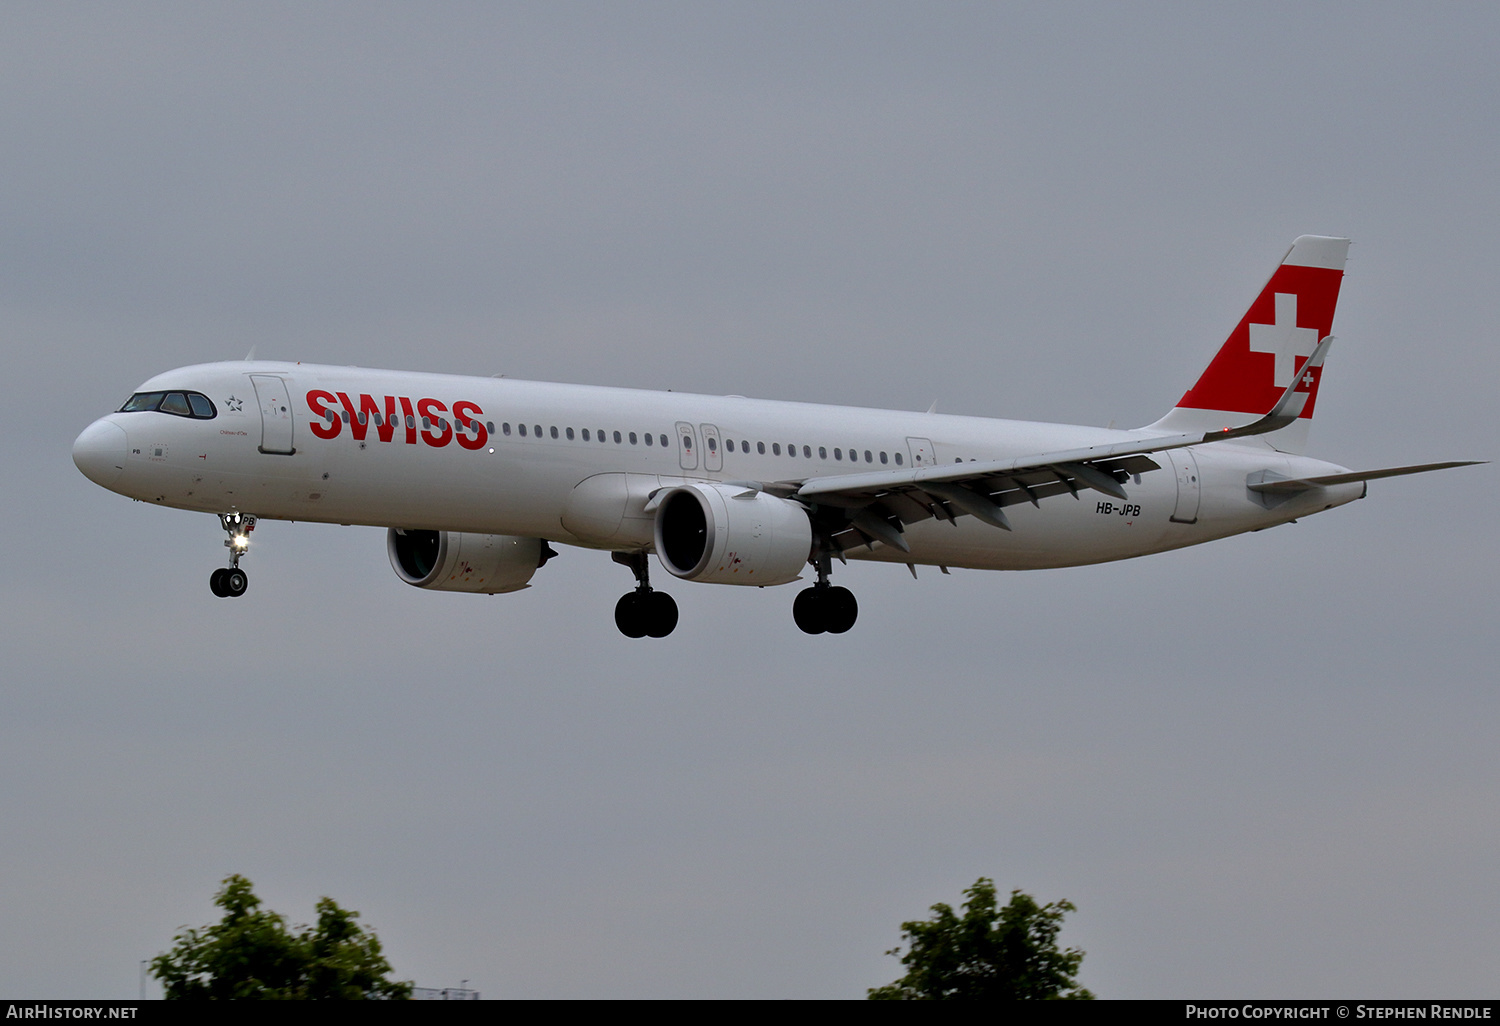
987, 954
251, 955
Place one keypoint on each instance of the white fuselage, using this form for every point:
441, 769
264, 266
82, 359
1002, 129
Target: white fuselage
587, 478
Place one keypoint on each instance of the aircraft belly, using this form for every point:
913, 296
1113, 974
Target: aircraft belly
609, 510
482, 493
1063, 531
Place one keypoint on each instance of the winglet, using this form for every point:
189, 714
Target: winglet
1288, 408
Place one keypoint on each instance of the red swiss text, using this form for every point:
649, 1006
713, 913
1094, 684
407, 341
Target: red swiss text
426, 419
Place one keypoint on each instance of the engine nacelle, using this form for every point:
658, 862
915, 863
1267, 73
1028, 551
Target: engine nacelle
476, 563
730, 534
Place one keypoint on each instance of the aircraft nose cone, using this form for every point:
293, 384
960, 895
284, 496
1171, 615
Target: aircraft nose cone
100, 452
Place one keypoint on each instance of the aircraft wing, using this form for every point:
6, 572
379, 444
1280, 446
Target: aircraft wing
880, 502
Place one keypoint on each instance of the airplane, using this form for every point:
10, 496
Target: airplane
476, 478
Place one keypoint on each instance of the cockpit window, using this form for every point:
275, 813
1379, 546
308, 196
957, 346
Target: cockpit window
181, 404
142, 401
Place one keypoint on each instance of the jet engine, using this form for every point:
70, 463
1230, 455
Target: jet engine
445, 561
731, 534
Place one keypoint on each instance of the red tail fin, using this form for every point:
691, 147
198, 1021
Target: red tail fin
1292, 314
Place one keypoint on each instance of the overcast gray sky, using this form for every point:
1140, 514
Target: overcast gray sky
1266, 767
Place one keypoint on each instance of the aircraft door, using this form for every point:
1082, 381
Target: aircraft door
275, 414
1189, 488
687, 453
921, 452
713, 456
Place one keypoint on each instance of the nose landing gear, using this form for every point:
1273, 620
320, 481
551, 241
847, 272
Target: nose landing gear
643, 612
825, 608
230, 581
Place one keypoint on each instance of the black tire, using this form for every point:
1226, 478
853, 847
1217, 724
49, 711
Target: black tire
234, 582
840, 610
216, 582
630, 615
808, 611
661, 614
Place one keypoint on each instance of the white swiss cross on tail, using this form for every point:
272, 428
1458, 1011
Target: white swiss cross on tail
1261, 357
1284, 339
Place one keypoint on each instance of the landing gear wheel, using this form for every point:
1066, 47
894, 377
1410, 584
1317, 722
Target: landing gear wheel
630, 617
661, 613
840, 610
641, 614
809, 610
230, 581
821, 609
234, 582
643, 611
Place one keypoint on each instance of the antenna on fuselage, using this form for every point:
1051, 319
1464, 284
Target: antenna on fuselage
250, 355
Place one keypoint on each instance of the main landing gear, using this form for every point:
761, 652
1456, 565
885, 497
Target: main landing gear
643, 612
824, 608
230, 581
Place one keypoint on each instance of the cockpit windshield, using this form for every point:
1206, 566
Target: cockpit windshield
181, 404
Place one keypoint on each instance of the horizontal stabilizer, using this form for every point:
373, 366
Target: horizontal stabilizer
1302, 484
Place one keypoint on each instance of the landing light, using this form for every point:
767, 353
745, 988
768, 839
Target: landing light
241, 541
